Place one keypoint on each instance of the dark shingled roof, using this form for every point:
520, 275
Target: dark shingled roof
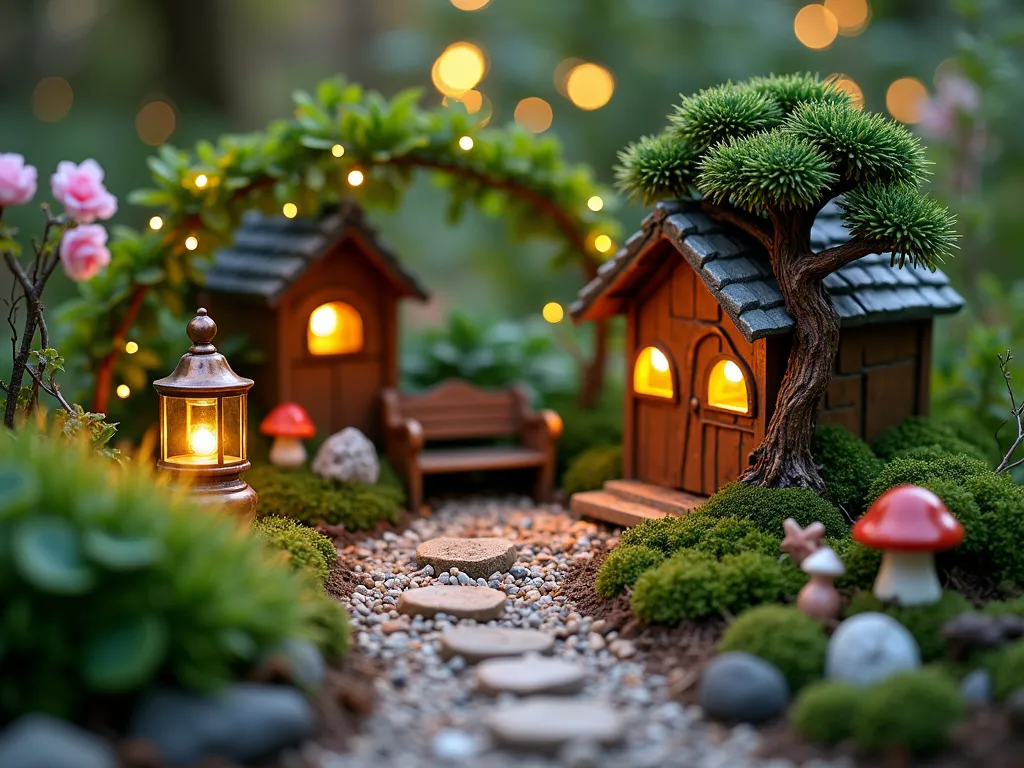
735, 269
269, 254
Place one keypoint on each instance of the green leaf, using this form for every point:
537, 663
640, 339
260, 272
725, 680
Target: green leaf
120, 553
47, 554
150, 198
317, 142
125, 656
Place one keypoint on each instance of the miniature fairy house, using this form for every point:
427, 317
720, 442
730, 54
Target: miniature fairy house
319, 299
708, 339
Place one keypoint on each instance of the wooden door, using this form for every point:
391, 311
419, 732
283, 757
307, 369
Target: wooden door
660, 426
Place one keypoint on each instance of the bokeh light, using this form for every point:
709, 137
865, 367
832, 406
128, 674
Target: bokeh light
155, 123
458, 69
844, 83
191, 242
156, 223
290, 210
562, 74
534, 114
466, 143
595, 203
816, 26
202, 180
590, 86
470, 5
131, 347
356, 177
52, 99
553, 312
123, 391
904, 99
852, 16
337, 150
602, 243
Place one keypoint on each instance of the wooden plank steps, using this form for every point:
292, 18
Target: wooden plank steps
630, 502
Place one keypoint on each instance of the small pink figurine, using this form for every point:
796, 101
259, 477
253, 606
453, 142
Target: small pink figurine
801, 542
819, 597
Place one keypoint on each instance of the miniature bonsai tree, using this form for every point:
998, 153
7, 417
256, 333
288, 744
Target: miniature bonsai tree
766, 156
289, 425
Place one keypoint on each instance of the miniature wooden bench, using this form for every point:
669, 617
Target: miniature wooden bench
418, 425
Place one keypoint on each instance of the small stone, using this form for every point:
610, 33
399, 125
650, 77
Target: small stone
596, 642
41, 741
869, 647
454, 745
428, 570
476, 558
480, 603
622, 649
348, 456
519, 572
545, 724
397, 625
304, 661
976, 687
530, 676
580, 754
480, 642
740, 687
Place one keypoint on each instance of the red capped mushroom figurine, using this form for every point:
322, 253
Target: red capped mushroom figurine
289, 425
911, 524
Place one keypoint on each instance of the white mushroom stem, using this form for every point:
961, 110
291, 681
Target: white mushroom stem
908, 578
287, 452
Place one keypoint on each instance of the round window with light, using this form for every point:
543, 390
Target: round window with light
334, 329
652, 374
727, 387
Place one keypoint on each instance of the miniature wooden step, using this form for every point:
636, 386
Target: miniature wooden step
609, 508
666, 499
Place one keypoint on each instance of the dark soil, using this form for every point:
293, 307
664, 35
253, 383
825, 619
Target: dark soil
342, 580
344, 537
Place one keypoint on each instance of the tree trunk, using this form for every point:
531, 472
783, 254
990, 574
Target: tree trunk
784, 457
18, 369
594, 370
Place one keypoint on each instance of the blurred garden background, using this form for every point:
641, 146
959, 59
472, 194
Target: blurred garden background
113, 79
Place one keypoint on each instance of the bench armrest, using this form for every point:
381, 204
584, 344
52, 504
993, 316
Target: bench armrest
405, 436
542, 428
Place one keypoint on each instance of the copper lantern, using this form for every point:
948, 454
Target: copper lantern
203, 423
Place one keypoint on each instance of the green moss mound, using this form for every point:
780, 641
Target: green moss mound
1007, 665
304, 496
686, 586
591, 469
767, 508
914, 711
623, 567
919, 431
861, 563
670, 534
308, 550
732, 536
826, 712
110, 585
789, 639
754, 578
956, 468
848, 466
924, 621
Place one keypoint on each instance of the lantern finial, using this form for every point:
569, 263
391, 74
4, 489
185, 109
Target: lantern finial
202, 330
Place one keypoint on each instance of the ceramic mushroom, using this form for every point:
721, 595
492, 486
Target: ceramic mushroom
799, 542
289, 425
819, 597
910, 524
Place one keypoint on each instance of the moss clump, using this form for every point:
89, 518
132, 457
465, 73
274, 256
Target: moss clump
1007, 665
861, 563
670, 534
848, 466
914, 711
623, 567
767, 508
753, 578
956, 468
686, 586
308, 550
591, 469
919, 431
731, 536
1011, 607
826, 712
789, 639
330, 628
309, 498
924, 621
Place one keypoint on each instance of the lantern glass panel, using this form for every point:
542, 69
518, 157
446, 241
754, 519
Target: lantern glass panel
190, 434
233, 419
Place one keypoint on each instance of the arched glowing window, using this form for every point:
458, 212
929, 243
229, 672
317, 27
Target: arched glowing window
726, 388
334, 329
652, 374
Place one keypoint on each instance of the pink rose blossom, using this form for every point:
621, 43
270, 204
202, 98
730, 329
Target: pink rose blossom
17, 180
79, 188
83, 251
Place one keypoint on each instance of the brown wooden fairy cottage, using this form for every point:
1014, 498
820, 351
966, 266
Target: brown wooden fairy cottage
708, 338
318, 299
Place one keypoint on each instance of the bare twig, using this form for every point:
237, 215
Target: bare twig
1017, 414
52, 389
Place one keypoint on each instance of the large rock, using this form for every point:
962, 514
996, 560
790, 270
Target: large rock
530, 676
480, 603
348, 456
41, 741
545, 724
477, 558
246, 721
480, 642
740, 687
868, 648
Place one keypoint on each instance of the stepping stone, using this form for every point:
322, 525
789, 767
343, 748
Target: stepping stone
545, 724
477, 558
478, 643
479, 603
527, 677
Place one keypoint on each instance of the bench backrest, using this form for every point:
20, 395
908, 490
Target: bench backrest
457, 410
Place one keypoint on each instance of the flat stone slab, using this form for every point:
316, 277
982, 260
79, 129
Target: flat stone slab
531, 676
479, 643
479, 603
545, 724
477, 558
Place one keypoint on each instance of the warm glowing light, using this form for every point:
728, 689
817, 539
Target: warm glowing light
652, 374
323, 321
553, 312
844, 83
334, 329
355, 177
534, 115
815, 26
602, 243
726, 388
562, 74
473, 101
458, 69
155, 123
131, 347
202, 180
337, 150
590, 86
191, 242
52, 99
123, 391
595, 203
290, 210
466, 143
156, 223
202, 441
470, 5
904, 99
852, 16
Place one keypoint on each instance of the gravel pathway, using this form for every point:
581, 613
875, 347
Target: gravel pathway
428, 711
